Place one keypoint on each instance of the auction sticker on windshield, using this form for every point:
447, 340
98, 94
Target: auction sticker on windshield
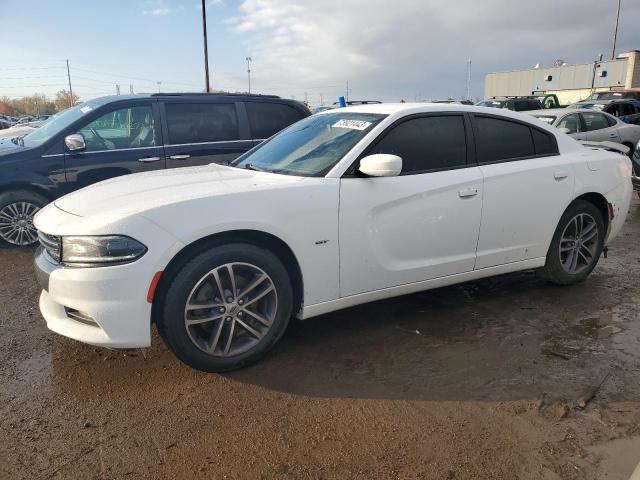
353, 124
86, 109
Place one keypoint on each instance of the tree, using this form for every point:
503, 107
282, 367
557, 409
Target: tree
5, 106
63, 100
37, 104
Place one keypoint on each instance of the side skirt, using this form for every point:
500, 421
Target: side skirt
345, 302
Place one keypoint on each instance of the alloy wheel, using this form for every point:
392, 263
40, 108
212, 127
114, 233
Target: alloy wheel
231, 309
16, 223
579, 244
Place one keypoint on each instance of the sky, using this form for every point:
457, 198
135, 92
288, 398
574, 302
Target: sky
306, 49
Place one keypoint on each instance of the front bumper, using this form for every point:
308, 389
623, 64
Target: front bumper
112, 298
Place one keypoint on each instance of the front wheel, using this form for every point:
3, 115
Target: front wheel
17, 210
577, 244
226, 307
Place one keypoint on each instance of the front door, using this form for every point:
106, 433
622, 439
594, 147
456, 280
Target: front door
120, 142
417, 226
200, 133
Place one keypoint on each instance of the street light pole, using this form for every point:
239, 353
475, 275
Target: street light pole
206, 52
248, 59
615, 33
70, 91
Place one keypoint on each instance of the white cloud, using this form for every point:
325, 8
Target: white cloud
158, 12
404, 48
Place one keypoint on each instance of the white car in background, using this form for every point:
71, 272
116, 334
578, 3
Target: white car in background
591, 125
345, 207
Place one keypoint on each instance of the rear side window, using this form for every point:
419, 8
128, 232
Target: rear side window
427, 143
595, 121
571, 122
201, 122
610, 120
498, 140
267, 119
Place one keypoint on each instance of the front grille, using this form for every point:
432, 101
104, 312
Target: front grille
52, 245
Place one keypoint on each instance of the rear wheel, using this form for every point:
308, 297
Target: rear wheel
225, 308
17, 210
577, 244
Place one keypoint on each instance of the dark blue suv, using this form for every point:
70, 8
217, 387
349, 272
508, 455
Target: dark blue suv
117, 135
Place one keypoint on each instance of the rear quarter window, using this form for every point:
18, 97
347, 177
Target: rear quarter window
267, 119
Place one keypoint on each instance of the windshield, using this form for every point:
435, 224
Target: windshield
591, 106
55, 124
606, 96
491, 103
312, 146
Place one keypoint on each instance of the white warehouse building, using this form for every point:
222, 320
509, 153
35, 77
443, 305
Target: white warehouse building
571, 83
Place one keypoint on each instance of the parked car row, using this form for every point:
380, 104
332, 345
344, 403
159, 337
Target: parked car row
613, 116
344, 207
7, 121
118, 135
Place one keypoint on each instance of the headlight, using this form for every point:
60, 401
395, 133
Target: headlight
101, 250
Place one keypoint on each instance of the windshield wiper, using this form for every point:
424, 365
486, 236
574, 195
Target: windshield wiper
248, 166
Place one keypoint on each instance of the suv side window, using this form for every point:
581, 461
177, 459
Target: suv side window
201, 122
595, 121
267, 119
131, 127
427, 143
498, 140
571, 122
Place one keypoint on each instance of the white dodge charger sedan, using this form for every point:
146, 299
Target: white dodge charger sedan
344, 207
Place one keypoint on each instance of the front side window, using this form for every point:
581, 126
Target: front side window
427, 143
498, 140
595, 121
310, 147
201, 122
267, 119
571, 123
131, 127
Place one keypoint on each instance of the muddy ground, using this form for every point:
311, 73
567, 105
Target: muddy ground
479, 381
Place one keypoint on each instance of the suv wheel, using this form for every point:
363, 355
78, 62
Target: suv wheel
17, 210
226, 307
576, 245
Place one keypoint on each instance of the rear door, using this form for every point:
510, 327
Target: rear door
125, 140
599, 128
199, 132
527, 186
268, 118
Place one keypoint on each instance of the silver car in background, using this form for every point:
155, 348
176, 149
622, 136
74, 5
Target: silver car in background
591, 125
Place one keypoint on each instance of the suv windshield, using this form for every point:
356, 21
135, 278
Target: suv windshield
58, 122
591, 106
312, 146
606, 96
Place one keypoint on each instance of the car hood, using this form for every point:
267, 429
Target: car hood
138, 193
7, 146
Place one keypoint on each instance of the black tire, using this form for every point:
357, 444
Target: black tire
171, 324
19, 197
553, 269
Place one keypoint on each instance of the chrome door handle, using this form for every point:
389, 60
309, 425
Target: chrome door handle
179, 157
468, 192
148, 159
560, 175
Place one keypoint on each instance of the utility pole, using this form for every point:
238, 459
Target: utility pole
206, 52
347, 96
248, 59
322, 100
70, 90
131, 88
469, 80
117, 89
158, 86
615, 32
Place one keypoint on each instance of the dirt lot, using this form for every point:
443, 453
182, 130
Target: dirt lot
482, 380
